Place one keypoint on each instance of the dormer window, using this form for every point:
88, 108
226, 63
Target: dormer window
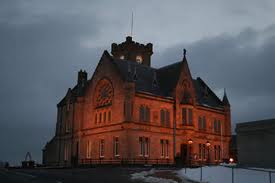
122, 57
139, 59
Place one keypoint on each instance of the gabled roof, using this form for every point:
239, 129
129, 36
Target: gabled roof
160, 82
142, 75
167, 78
209, 100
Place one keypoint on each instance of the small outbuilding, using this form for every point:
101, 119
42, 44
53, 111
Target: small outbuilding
256, 143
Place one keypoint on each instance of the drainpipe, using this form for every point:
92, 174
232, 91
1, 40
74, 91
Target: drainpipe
60, 122
72, 133
174, 130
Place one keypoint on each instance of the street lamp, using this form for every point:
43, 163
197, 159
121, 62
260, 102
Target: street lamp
190, 142
208, 150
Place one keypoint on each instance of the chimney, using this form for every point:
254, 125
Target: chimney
82, 78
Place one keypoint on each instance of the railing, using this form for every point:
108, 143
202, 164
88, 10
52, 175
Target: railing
231, 174
113, 161
135, 161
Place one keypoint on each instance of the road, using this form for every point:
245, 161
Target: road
89, 175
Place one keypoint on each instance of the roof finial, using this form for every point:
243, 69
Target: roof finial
184, 53
225, 99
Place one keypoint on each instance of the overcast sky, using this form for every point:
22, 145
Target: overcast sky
43, 44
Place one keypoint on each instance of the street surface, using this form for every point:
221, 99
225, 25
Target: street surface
89, 175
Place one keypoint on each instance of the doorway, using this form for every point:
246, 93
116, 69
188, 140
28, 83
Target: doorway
183, 153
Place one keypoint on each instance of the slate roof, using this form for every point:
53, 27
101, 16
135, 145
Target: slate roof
167, 78
255, 125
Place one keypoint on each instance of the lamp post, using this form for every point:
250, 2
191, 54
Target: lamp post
208, 151
190, 142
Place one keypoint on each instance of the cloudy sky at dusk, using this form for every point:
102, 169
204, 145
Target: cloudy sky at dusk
43, 44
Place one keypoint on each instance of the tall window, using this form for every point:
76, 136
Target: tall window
190, 116
200, 151
116, 147
217, 126
202, 123
101, 148
164, 148
187, 116
89, 149
95, 118
203, 151
162, 117
144, 144
217, 152
109, 116
100, 117
184, 116
146, 147
66, 152
104, 116
165, 117
141, 113
144, 113
141, 148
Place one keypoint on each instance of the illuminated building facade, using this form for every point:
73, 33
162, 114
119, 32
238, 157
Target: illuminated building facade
131, 112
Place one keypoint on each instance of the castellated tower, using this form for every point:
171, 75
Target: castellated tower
133, 51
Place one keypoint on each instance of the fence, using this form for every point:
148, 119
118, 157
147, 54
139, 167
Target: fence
111, 161
230, 174
126, 162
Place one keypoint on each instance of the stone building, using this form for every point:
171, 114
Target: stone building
131, 112
256, 143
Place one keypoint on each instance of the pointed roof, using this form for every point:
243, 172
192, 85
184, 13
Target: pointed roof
225, 100
166, 78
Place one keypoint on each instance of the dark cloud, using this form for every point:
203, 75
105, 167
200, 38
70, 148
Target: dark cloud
243, 64
38, 63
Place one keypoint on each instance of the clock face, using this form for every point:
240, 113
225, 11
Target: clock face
104, 93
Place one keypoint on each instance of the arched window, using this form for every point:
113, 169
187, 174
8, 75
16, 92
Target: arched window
109, 116
147, 114
165, 117
141, 113
95, 118
162, 117
139, 59
144, 113
122, 57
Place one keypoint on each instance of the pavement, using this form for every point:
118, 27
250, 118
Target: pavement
87, 175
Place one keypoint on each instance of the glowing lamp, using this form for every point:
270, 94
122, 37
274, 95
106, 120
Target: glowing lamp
190, 141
